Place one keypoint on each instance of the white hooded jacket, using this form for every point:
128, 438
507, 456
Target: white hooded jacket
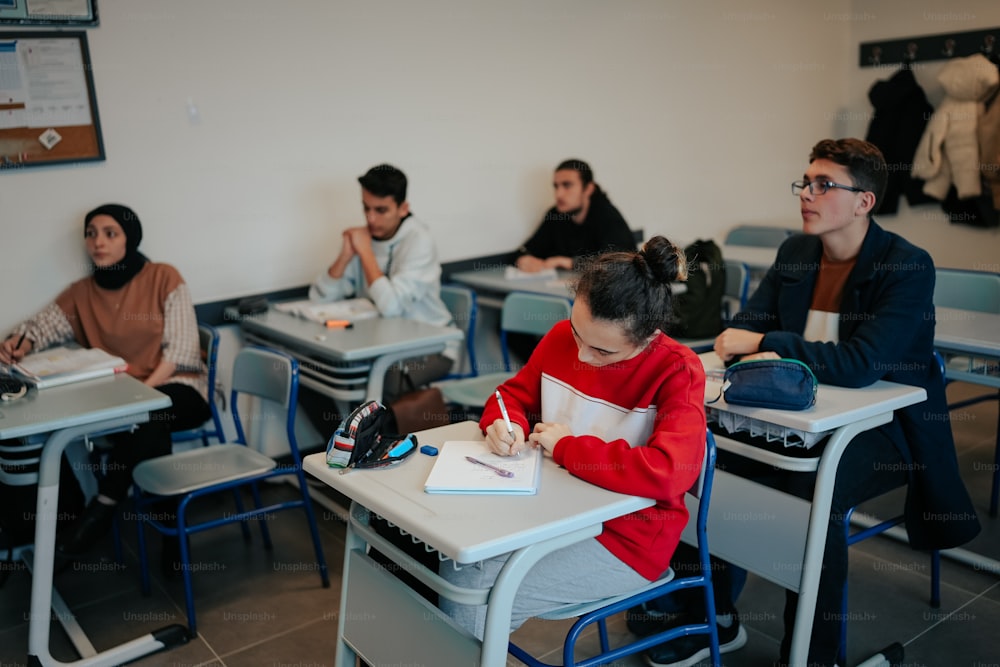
948, 152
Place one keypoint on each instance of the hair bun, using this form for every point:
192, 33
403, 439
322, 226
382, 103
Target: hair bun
665, 261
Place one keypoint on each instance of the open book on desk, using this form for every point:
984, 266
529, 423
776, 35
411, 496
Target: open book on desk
62, 365
453, 473
346, 309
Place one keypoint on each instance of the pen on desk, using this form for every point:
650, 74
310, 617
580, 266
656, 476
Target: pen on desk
506, 417
497, 470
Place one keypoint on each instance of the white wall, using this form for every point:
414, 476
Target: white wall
951, 245
694, 115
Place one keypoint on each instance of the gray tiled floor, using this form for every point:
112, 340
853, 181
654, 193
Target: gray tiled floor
261, 608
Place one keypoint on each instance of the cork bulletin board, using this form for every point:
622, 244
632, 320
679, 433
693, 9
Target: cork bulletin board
48, 108
82, 13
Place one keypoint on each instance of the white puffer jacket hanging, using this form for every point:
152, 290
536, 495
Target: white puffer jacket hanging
948, 151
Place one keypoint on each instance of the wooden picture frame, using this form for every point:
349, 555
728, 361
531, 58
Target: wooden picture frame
48, 107
79, 13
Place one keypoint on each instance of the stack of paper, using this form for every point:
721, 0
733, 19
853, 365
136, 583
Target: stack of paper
514, 273
453, 473
62, 365
347, 309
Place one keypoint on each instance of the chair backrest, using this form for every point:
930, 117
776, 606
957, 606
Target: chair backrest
758, 236
967, 290
461, 303
208, 341
528, 313
266, 373
270, 375
737, 288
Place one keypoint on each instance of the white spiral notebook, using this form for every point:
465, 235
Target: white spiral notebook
62, 365
453, 473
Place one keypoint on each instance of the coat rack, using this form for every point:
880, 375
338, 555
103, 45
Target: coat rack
931, 47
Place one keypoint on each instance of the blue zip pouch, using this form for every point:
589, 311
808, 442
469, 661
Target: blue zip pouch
781, 384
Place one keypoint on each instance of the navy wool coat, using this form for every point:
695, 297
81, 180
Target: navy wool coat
886, 332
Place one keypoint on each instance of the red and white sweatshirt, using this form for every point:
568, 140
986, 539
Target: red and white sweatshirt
639, 428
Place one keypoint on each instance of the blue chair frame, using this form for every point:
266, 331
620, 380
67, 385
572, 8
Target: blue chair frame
209, 341
598, 612
265, 374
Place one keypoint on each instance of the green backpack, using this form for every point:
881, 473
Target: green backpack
698, 310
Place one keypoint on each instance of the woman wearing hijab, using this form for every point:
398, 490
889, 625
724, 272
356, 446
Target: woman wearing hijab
140, 311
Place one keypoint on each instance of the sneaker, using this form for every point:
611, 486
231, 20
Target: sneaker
692, 649
642, 621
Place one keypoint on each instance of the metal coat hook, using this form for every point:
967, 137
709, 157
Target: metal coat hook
926, 48
988, 43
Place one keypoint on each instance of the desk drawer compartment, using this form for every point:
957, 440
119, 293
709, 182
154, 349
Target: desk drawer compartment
384, 617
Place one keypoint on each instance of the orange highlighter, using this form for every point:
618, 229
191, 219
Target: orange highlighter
339, 324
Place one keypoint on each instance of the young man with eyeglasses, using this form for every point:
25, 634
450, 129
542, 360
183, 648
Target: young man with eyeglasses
854, 302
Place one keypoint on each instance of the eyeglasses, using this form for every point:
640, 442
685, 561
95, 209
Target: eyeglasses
820, 187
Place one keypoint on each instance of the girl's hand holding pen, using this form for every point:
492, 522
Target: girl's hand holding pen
14, 348
498, 439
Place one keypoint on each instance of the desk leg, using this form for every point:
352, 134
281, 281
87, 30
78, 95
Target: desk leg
376, 377
44, 560
496, 635
344, 655
819, 518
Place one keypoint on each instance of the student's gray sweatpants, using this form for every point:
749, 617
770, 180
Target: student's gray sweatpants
581, 572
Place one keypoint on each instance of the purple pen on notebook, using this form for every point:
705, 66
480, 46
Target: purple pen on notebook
496, 469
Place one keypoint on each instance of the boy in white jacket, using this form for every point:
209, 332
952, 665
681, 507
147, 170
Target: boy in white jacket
391, 260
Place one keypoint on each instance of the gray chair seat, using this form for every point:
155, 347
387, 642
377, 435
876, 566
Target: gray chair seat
177, 474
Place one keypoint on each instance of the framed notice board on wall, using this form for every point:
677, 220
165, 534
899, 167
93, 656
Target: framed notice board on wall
49, 12
48, 108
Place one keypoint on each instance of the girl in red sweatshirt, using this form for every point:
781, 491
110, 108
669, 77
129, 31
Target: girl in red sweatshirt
619, 404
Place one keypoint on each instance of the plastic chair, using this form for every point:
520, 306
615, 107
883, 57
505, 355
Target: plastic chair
523, 312
758, 236
259, 372
877, 529
208, 338
977, 291
461, 303
734, 299
599, 611
737, 289
967, 290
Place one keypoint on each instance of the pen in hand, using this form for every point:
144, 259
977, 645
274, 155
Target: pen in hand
13, 358
497, 470
506, 417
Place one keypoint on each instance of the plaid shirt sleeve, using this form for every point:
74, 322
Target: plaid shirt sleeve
180, 332
49, 327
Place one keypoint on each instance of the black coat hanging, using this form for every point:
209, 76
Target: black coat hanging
900, 117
